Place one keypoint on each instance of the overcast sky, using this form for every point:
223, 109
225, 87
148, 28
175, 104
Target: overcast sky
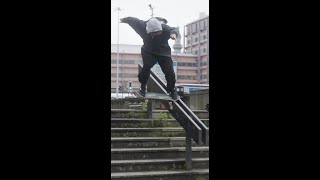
177, 12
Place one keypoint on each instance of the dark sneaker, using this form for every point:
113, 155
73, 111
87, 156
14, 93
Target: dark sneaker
174, 94
142, 92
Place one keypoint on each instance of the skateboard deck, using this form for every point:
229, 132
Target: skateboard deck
160, 96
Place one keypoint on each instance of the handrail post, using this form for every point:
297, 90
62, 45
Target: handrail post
149, 109
188, 152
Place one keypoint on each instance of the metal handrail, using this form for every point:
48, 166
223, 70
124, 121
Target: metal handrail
195, 129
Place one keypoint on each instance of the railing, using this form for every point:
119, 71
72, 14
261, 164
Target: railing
195, 129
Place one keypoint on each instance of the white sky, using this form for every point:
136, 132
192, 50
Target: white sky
177, 13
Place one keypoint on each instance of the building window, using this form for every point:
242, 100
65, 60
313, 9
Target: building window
203, 24
194, 28
187, 77
124, 62
204, 37
130, 75
181, 64
188, 42
123, 75
187, 64
195, 52
204, 50
188, 30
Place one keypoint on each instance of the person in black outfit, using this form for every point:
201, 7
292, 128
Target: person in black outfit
155, 34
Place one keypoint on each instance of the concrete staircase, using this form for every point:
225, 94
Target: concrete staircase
153, 149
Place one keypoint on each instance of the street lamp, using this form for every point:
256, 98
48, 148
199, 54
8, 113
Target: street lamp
117, 84
151, 8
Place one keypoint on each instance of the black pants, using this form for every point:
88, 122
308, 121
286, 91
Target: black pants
166, 64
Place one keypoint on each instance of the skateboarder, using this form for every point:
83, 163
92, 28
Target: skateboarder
155, 34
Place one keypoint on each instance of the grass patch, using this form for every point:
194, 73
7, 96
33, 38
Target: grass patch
131, 114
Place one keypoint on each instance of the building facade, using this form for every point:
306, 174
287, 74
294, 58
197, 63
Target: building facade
196, 42
130, 57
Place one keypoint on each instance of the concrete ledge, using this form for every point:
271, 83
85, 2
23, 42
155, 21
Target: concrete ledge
127, 110
174, 164
159, 173
123, 113
144, 139
137, 119
149, 129
166, 152
148, 132
154, 110
155, 161
150, 142
206, 148
147, 123
204, 111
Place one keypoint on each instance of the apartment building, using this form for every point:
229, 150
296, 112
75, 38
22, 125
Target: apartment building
196, 42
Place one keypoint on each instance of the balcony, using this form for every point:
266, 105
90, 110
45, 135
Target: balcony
203, 29
203, 41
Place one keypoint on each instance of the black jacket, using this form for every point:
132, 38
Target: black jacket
158, 44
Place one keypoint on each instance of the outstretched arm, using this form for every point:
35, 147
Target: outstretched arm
172, 31
136, 24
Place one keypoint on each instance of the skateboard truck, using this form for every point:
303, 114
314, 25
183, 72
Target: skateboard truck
170, 104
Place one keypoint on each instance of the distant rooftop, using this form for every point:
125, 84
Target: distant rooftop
126, 48
202, 15
136, 49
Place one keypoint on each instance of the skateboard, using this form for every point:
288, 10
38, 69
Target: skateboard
151, 95
157, 96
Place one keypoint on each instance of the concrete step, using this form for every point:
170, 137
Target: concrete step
149, 142
195, 174
142, 114
148, 132
157, 153
128, 113
156, 164
146, 123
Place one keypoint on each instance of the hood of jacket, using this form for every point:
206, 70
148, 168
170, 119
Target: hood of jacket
154, 25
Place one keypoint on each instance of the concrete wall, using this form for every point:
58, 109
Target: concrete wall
198, 99
124, 103
124, 113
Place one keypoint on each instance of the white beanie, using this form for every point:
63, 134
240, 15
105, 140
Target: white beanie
153, 25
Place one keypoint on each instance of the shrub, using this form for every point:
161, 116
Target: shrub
131, 114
